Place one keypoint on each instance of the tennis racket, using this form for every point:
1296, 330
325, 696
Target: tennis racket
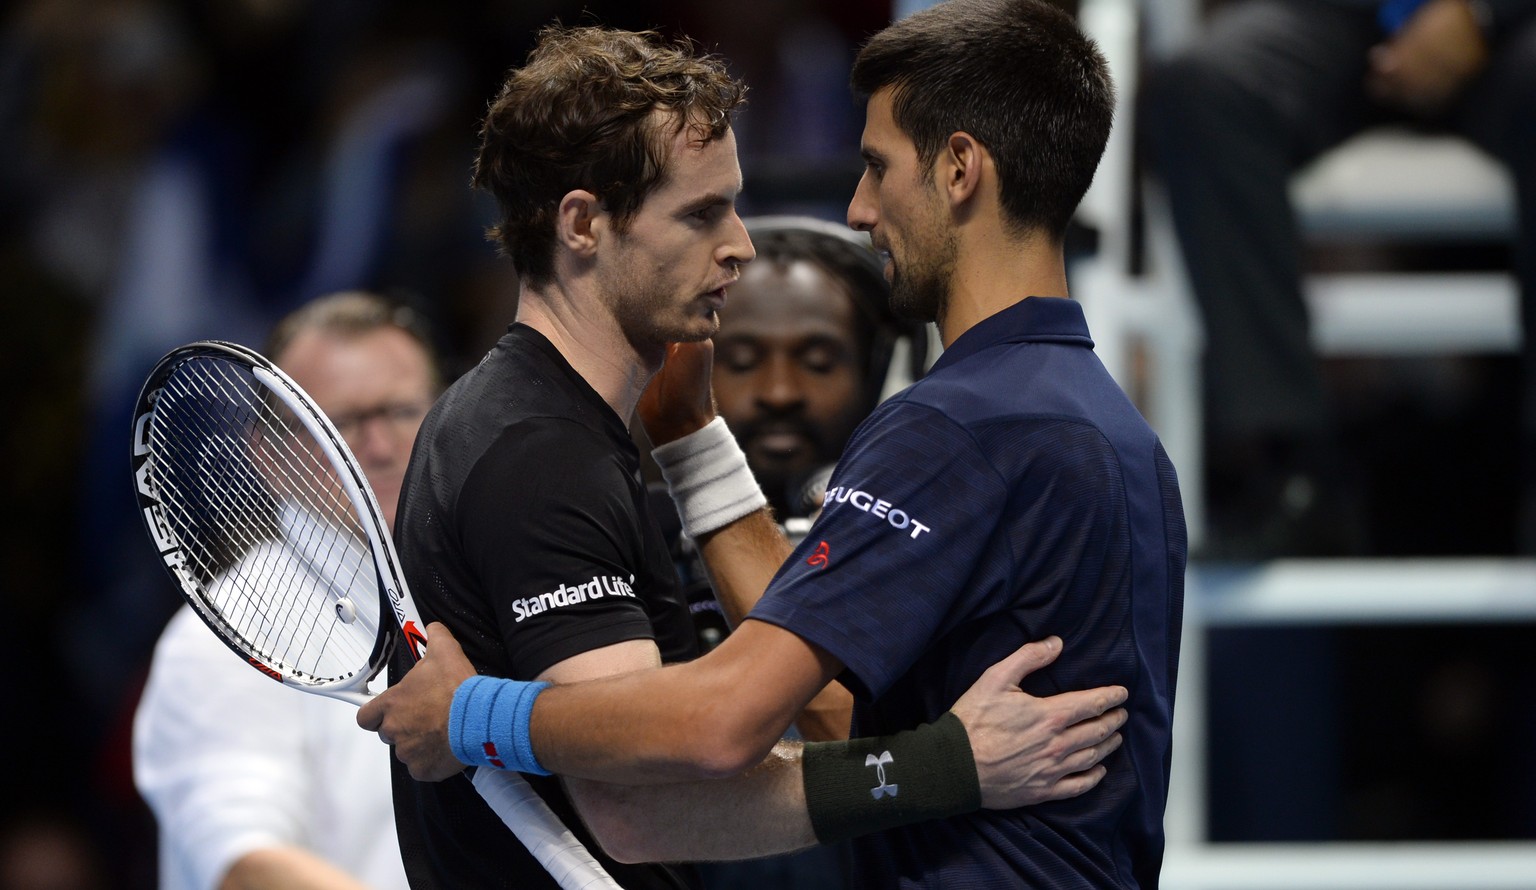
266, 523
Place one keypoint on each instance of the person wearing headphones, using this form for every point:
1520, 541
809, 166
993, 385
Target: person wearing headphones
804, 352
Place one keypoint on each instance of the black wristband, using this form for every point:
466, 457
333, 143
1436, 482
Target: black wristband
866, 785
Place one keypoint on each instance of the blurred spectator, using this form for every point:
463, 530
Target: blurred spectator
1268, 86
253, 201
802, 354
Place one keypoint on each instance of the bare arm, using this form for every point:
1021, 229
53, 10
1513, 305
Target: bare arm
741, 559
286, 868
764, 808
757, 813
760, 812
709, 718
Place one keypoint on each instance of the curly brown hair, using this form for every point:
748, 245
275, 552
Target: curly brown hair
579, 115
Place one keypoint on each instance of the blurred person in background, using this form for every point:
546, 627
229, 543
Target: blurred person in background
803, 352
1268, 86
254, 784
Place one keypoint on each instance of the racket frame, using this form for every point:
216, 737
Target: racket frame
403, 625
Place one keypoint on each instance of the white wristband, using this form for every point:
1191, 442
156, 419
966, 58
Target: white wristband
708, 477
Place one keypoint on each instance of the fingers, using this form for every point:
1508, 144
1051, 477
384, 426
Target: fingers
1024, 661
439, 634
1093, 731
691, 359
1073, 785
371, 715
1082, 769
1087, 758
1086, 704
678, 399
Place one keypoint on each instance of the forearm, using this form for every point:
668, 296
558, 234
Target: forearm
828, 716
709, 718
286, 868
741, 559
760, 812
796, 797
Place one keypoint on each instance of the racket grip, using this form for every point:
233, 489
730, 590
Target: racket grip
541, 831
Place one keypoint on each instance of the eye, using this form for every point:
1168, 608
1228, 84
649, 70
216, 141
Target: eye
708, 213
738, 356
824, 357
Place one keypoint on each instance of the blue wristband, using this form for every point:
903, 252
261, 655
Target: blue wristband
488, 723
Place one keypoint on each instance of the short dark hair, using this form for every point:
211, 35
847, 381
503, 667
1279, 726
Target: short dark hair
1020, 77
578, 115
352, 314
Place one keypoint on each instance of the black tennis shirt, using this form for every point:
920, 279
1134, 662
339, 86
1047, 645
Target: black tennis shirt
524, 527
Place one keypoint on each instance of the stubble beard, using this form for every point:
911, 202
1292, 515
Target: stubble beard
921, 291
649, 317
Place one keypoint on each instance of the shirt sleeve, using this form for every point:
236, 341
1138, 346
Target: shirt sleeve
213, 744
549, 524
888, 564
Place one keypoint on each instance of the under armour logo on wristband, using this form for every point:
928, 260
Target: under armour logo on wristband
883, 789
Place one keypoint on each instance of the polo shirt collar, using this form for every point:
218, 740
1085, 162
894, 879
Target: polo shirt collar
1031, 320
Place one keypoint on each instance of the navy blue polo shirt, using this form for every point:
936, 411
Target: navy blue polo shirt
1012, 493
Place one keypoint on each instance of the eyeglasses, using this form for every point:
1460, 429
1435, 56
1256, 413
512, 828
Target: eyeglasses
396, 415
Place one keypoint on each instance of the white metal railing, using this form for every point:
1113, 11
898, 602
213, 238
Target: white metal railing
1334, 592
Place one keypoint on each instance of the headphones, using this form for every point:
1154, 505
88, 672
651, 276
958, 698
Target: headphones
849, 256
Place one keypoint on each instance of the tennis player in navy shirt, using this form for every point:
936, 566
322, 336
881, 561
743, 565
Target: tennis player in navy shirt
1012, 493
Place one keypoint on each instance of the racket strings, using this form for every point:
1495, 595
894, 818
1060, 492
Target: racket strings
273, 543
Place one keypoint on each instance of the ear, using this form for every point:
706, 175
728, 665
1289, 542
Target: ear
960, 167
578, 222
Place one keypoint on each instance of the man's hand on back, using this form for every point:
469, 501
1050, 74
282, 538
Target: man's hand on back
1029, 750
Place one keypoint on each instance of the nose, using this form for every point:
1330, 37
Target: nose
779, 386
863, 211
738, 249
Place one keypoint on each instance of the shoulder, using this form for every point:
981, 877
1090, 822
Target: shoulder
548, 454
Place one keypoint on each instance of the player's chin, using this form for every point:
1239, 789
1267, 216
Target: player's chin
698, 329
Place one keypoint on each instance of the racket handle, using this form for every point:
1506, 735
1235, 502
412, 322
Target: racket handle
541, 831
